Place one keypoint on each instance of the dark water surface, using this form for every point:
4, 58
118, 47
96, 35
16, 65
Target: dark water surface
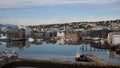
56, 51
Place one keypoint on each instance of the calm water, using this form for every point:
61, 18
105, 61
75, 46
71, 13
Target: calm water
57, 51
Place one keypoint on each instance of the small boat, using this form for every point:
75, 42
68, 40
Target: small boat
31, 39
80, 58
77, 56
4, 39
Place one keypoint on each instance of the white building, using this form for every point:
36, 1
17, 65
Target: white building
114, 38
27, 30
61, 34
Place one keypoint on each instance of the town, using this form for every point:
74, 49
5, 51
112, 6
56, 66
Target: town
105, 33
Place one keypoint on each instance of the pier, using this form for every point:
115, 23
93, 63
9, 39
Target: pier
89, 48
95, 59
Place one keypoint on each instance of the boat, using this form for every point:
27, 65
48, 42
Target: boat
31, 39
77, 56
4, 39
80, 58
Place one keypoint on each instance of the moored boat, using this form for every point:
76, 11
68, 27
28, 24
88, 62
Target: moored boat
4, 39
77, 56
81, 58
31, 39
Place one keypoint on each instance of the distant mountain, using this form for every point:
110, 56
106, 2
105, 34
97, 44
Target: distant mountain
8, 25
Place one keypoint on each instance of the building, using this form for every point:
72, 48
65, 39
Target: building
21, 33
61, 35
113, 38
71, 36
12, 35
116, 39
27, 32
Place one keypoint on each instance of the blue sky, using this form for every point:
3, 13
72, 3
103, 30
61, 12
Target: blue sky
26, 12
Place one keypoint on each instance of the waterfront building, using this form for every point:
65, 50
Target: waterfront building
61, 35
21, 33
113, 38
46, 34
24, 31
71, 36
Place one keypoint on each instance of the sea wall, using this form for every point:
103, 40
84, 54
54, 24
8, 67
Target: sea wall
58, 64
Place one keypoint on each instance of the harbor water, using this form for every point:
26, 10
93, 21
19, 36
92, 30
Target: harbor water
54, 50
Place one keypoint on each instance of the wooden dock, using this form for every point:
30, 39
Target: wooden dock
95, 59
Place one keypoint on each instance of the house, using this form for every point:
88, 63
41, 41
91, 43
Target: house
71, 35
113, 38
60, 35
21, 33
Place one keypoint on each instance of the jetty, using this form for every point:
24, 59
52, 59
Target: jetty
95, 59
91, 59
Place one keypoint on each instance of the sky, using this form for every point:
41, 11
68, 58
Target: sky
36, 12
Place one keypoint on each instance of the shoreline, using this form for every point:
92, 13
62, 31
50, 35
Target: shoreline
58, 64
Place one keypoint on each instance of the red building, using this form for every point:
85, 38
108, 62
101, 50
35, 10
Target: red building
72, 37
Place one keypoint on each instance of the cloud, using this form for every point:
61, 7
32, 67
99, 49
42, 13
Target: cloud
18, 3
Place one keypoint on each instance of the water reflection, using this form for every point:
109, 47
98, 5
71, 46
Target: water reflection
60, 41
72, 41
17, 44
51, 41
3, 43
38, 42
112, 54
51, 49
